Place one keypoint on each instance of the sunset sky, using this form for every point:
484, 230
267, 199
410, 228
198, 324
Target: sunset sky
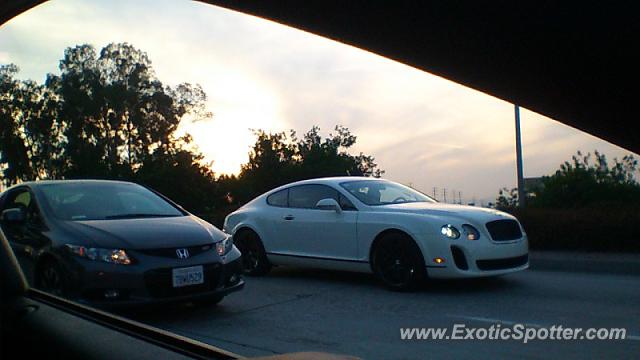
423, 130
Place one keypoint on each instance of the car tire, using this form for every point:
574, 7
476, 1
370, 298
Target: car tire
254, 257
52, 278
398, 262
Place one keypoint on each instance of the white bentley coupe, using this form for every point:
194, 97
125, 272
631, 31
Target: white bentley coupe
375, 225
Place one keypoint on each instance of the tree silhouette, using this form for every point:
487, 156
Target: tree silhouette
277, 159
117, 111
585, 181
108, 116
507, 199
30, 132
103, 116
589, 180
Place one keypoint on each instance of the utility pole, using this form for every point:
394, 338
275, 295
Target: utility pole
521, 194
460, 197
444, 194
435, 190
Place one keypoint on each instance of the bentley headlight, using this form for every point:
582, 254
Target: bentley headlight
470, 232
114, 256
224, 246
450, 231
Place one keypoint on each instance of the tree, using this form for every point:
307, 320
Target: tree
118, 111
271, 163
585, 181
329, 157
103, 116
507, 199
30, 128
590, 181
280, 158
14, 160
179, 173
108, 116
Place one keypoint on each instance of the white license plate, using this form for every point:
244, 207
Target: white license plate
188, 276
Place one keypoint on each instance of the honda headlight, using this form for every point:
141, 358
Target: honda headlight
224, 246
114, 256
470, 232
450, 231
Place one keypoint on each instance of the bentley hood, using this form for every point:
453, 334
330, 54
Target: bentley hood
466, 213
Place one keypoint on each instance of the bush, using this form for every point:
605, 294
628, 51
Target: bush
586, 205
582, 229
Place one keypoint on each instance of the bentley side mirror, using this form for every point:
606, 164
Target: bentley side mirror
329, 204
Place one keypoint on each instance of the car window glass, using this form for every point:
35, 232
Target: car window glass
23, 198
100, 201
33, 214
346, 204
133, 203
307, 196
278, 199
375, 192
390, 195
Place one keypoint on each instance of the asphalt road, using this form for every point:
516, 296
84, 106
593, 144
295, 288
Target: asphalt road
294, 310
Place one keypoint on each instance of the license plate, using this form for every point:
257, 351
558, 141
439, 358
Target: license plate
188, 276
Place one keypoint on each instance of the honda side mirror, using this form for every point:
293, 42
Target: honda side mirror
13, 216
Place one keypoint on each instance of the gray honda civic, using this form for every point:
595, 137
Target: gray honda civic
116, 243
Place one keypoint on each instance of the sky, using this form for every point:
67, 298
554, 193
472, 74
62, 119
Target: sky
423, 130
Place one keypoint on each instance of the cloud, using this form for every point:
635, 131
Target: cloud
4, 57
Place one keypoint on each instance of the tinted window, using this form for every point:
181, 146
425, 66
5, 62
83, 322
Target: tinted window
307, 196
23, 198
278, 199
346, 204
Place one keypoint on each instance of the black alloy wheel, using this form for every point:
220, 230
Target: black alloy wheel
398, 262
254, 257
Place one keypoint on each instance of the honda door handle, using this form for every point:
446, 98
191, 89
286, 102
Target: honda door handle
289, 217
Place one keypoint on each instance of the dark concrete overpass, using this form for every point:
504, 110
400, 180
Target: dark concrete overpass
575, 62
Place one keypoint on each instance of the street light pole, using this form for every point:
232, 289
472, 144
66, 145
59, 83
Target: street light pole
521, 194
